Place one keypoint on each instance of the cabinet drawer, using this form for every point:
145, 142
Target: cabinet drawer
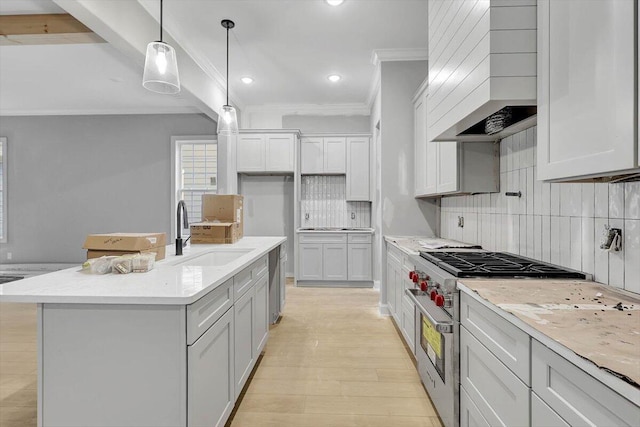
408, 324
260, 267
543, 416
323, 238
393, 254
359, 238
502, 399
508, 343
470, 415
407, 263
244, 280
576, 396
207, 310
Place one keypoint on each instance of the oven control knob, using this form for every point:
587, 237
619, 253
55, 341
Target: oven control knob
411, 274
434, 294
423, 286
415, 278
439, 300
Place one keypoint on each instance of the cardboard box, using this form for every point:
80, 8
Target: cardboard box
222, 220
215, 232
98, 245
223, 208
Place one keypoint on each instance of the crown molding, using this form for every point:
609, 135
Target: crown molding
310, 109
407, 54
102, 112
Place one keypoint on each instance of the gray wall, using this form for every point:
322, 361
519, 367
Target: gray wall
327, 124
268, 209
402, 214
74, 175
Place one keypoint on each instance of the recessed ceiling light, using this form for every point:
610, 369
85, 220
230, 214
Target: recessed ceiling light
247, 80
334, 2
334, 78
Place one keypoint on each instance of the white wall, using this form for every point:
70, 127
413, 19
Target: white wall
69, 176
557, 223
269, 209
327, 124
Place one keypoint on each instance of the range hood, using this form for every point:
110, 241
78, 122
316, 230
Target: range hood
506, 121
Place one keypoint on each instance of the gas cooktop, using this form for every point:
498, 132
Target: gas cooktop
497, 264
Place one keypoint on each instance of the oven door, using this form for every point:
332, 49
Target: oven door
437, 362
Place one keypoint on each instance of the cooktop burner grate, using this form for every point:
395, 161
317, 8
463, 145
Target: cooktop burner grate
497, 264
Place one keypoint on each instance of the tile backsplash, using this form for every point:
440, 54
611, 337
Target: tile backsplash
558, 223
324, 203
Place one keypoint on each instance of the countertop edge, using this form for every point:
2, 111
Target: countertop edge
142, 300
619, 386
409, 252
351, 231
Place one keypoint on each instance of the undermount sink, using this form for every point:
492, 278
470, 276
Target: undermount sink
215, 258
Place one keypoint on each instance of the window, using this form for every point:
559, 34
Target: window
196, 169
3, 189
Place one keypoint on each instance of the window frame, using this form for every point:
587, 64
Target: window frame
176, 143
5, 159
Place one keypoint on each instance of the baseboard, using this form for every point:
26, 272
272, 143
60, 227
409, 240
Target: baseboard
376, 285
334, 284
383, 309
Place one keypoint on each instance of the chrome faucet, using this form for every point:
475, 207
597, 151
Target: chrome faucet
182, 206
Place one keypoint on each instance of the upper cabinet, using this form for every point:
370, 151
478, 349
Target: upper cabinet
266, 152
323, 155
482, 58
587, 112
358, 169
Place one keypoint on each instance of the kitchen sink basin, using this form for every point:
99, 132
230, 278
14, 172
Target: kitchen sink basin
215, 258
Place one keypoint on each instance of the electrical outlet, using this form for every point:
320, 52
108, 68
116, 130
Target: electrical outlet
353, 215
306, 216
9, 255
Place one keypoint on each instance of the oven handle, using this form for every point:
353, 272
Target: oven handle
442, 327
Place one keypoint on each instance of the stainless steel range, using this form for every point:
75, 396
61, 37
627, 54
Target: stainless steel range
438, 313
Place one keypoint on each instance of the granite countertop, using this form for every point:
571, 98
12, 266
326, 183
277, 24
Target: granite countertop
412, 245
598, 323
168, 283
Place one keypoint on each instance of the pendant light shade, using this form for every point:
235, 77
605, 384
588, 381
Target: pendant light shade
228, 119
161, 66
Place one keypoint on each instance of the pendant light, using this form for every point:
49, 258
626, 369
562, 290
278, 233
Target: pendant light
228, 119
161, 66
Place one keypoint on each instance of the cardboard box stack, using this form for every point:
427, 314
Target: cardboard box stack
222, 220
98, 245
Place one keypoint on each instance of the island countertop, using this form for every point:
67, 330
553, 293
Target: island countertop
168, 283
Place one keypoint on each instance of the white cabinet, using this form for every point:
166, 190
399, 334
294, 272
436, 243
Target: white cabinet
211, 392
283, 277
470, 415
543, 416
394, 260
335, 257
243, 319
261, 315
447, 175
266, 152
420, 139
586, 103
323, 155
358, 169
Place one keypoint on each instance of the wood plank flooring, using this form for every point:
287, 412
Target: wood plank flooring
331, 361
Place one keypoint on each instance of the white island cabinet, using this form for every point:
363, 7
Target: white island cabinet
171, 347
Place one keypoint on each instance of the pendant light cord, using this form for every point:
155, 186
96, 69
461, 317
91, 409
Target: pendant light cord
160, 20
227, 65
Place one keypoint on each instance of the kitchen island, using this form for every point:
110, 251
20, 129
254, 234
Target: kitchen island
171, 347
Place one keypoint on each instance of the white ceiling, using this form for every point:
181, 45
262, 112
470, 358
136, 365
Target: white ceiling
288, 46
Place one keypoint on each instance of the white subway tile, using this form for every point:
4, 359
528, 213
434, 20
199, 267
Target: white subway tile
527, 161
535, 145
588, 200
470, 230
513, 240
565, 241
501, 226
497, 231
601, 257
632, 200
632, 255
576, 244
570, 200
537, 237
537, 194
508, 143
523, 235
530, 247
546, 239
522, 201
530, 191
588, 251
616, 259
545, 208
601, 208
555, 199
616, 200
503, 156
555, 240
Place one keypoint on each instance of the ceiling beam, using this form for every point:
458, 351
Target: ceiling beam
60, 28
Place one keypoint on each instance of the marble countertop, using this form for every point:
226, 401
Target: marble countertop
168, 283
578, 319
412, 245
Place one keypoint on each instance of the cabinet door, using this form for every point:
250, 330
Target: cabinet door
586, 63
420, 144
391, 287
334, 262
447, 167
543, 416
261, 314
311, 156
358, 169
470, 416
359, 258
279, 152
310, 261
250, 153
283, 281
211, 381
335, 153
243, 319
431, 166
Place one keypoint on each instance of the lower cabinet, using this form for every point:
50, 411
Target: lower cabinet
310, 262
543, 416
470, 415
243, 316
400, 306
334, 265
210, 375
359, 256
261, 315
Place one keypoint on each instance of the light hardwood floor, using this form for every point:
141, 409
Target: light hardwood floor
331, 361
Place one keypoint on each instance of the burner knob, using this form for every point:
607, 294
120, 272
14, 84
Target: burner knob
411, 274
439, 300
434, 294
416, 278
426, 277
423, 286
